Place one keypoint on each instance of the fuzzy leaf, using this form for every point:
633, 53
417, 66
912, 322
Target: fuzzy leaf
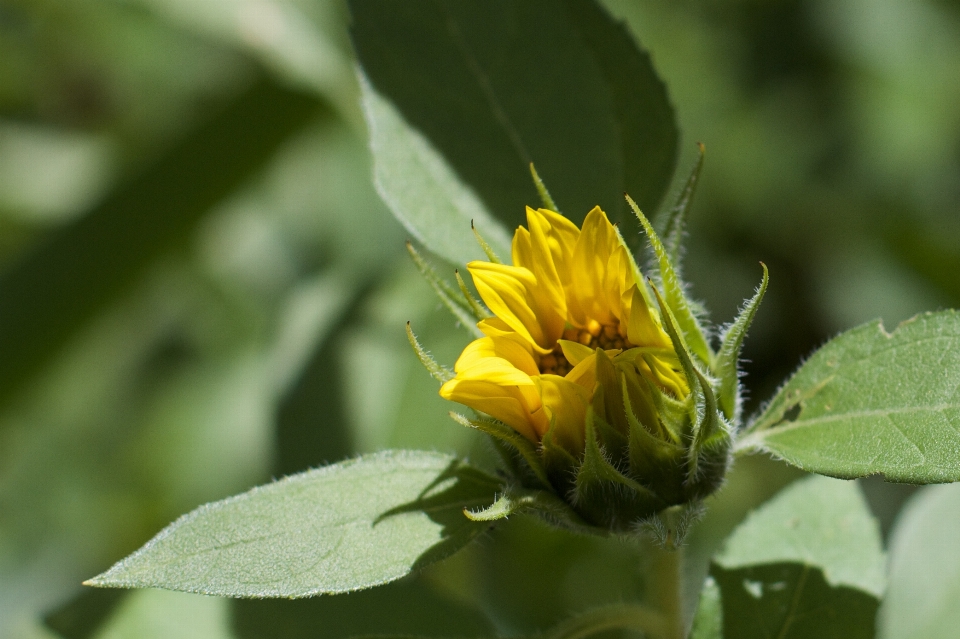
871, 402
422, 191
809, 563
348, 526
817, 521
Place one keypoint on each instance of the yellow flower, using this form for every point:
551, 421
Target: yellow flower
601, 389
571, 298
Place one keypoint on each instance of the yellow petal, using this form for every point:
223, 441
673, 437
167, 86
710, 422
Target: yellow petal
643, 328
522, 251
499, 403
512, 293
549, 289
508, 348
593, 258
562, 231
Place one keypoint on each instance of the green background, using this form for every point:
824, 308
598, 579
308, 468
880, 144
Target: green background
201, 290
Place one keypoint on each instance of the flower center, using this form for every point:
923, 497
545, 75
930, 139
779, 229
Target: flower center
595, 335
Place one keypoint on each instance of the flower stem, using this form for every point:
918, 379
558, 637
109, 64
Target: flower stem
665, 587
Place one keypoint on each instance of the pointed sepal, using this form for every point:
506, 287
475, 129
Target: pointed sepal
487, 249
440, 372
542, 191
476, 306
501, 432
673, 290
710, 442
452, 298
603, 493
670, 526
677, 222
654, 461
687, 365
505, 505
709, 455
561, 466
726, 363
542, 503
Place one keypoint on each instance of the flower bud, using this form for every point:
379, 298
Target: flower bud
602, 381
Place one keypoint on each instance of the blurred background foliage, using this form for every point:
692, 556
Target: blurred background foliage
200, 289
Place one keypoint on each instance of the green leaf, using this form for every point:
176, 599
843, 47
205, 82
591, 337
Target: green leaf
792, 601
495, 86
348, 526
422, 191
871, 402
921, 601
159, 614
708, 620
809, 563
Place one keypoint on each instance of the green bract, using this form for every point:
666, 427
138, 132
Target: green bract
605, 390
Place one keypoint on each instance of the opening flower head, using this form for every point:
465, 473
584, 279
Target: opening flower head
603, 381
570, 297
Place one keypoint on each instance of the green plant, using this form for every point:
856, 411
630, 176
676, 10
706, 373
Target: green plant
459, 100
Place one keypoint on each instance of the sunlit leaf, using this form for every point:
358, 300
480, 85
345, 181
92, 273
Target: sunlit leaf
921, 601
871, 402
428, 198
708, 620
353, 525
807, 564
158, 614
